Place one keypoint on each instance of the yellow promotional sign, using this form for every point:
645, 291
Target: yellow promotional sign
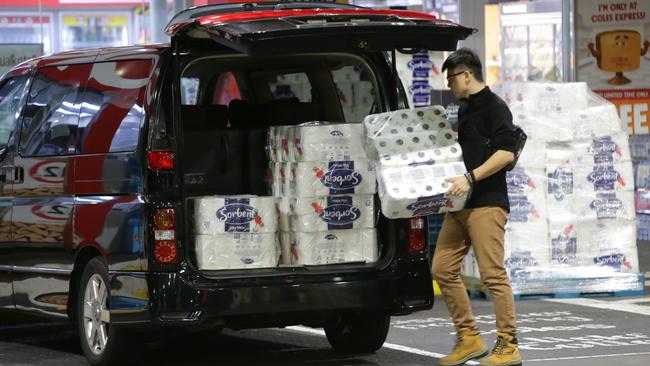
612, 56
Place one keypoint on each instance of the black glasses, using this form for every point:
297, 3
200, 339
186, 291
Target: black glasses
452, 76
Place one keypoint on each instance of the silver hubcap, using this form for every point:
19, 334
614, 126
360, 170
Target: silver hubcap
96, 316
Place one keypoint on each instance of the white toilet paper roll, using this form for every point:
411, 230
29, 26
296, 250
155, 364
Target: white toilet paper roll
309, 214
333, 177
286, 256
275, 179
216, 215
236, 251
335, 246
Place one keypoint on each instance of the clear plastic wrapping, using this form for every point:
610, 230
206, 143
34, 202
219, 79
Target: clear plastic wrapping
237, 251
334, 246
415, 150
309, 214
572, 225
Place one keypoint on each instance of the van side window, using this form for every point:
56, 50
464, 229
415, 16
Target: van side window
190, 90
112, 111
290, 86
51, 114
356, 92
10, 93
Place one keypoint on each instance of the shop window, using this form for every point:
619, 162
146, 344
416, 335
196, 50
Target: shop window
10, 94
51, 114
112, 111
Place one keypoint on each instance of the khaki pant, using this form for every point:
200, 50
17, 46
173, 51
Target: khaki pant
483, 229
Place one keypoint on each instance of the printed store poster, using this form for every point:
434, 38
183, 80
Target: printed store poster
612, 41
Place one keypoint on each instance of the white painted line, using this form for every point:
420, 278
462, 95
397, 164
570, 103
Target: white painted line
608, 305
582, 357
634, 301
392, 346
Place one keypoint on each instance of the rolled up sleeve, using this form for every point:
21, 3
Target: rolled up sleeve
502, 131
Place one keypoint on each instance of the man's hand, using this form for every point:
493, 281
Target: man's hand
459, 186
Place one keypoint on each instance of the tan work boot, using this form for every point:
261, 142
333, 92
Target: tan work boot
469, 345
504, 353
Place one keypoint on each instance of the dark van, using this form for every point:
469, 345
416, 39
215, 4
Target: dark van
101, 150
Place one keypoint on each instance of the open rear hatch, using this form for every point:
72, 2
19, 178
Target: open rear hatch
270, 29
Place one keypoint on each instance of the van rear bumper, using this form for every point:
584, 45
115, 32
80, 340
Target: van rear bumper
183, 298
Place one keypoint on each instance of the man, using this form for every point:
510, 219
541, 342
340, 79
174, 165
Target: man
480, 225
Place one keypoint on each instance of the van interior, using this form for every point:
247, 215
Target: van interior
229, 102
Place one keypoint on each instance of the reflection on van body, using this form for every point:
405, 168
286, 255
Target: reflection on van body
100, 151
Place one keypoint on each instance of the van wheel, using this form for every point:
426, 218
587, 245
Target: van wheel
359, 332
99, 339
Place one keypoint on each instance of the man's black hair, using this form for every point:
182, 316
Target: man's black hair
464, 57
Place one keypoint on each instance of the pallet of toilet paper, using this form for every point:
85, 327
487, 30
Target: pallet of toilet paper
415, 151
571, 226
325, 186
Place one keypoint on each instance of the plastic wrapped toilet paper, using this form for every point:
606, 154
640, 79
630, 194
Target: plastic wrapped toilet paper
363, 93
405, 130
540, 126
310, 214
597, 121
609, 245
560, 152
237, 250
614, 177
605, 205
410, 191
563, 242
245, 214
346, 74
524, 180
560, 192
528, 207
346, 96
469, 267
286, 255
335, 246
283, 140
553, 98
446, 154
275, 179
533, 154
526, 251
284, 213
603, 150
320, 141
322, 178
271, 145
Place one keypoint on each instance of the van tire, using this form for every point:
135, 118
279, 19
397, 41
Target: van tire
102, 346
359, 332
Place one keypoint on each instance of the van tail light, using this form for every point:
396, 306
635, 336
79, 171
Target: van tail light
160, 160
164, 232
417, 235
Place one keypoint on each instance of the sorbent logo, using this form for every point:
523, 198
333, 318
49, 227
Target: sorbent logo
340, 214
429, 205
605, 178
521, 208
519, 264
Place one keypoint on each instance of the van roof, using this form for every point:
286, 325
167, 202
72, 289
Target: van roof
91, 55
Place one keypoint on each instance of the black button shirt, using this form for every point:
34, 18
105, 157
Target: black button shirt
484, 115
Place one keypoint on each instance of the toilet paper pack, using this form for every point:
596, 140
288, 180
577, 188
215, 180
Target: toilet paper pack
533, 154
245, 214
274, 177
316, 141
596, 121
563, 242
324, 213
335, 246
610, 177
602, 150
284, 213
236, 251
605, 206
526, 234
526, 251
419, 190
363, 93
446, 154
524, 180
608, 244
528, 207
540, 126
286, 254
322, 178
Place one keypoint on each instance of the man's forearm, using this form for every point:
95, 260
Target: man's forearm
495, 163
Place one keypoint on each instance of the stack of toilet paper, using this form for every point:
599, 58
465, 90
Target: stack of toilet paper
234, 232
416, 151
325, 186
571, 225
